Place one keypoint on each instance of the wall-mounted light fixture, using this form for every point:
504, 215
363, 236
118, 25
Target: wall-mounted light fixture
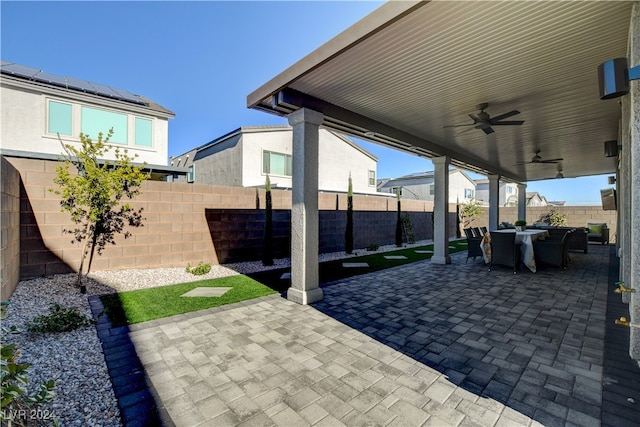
614, 76
611, 148
611, 180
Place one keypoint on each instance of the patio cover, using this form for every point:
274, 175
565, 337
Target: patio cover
408, 69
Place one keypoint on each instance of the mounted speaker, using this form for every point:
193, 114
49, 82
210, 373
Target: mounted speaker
613, 78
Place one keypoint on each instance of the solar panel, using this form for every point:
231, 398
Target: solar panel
69, 83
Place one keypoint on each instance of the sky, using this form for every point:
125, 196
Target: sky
201, 60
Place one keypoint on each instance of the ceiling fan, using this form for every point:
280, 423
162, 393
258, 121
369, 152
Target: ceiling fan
538, 159
484, 121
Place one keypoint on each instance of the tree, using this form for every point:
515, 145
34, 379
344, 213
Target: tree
267, 242
399, 223
348, 234
469, 211
94, 196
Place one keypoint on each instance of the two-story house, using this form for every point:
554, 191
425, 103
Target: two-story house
420, 186
245, 156
37, 107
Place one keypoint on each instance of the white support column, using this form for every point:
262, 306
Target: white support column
494, 201
522, 201
305, 282
634, 184
441, 211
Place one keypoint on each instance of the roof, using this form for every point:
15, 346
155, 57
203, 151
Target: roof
410, 68
75, 85
268, 128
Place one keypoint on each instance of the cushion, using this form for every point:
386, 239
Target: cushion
595, 228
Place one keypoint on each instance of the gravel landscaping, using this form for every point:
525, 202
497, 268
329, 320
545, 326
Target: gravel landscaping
75, 359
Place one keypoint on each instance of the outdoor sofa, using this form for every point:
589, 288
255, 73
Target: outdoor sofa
576, 241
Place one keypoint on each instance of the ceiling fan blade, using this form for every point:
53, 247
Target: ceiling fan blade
475, 119
488, 130
464, 131
505, 115
550, 161
507, 123
457, 126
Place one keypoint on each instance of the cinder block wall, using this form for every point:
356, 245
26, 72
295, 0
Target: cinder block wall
9, 229
577, 216
238, 234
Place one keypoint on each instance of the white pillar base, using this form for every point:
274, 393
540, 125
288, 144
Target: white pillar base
441, 259
304, 297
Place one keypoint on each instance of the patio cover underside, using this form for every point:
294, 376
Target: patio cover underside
401, 74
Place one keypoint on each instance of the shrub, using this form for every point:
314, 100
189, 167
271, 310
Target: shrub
554, 217
373, 247
60, 320
200, 269
15, 398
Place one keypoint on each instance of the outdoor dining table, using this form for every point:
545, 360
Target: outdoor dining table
525, 237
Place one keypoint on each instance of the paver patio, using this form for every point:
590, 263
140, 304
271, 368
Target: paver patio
419, 344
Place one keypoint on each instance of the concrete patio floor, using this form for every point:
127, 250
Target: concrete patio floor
419, 344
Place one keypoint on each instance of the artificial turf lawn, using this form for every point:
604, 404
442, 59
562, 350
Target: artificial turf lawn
154, 303
331, 271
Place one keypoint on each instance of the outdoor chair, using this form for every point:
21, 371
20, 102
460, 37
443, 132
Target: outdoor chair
484, 230
598, 232
504, 250
553, 252
473, 245
476, 232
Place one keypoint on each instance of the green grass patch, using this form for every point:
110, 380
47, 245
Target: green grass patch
154, 303
331, 271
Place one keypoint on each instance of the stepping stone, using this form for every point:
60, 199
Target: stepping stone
462, 243
206, 292
452, 247
395, 257
285, 276
423, 252
354, 264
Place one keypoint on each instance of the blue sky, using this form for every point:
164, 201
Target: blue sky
201, 60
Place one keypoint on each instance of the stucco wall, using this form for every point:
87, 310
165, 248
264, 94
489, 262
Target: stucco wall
9, 229
24, 124
337, 159
222, 168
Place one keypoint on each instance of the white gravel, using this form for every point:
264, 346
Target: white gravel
74, 359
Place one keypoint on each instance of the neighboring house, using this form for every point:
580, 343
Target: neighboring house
420, 186
245, 156
507, 192
535, 199
37, 106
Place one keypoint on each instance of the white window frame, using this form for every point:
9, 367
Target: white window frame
372, 178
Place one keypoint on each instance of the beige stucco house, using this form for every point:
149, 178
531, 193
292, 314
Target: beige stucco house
37, 106
421, 186
245, 156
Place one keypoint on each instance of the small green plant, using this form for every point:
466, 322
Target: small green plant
373, 247
200, 269
555, 218
61, 319
520, 222
16, 400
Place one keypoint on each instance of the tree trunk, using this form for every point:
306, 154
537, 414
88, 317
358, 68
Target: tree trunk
83, 288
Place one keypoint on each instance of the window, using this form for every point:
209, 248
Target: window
95, 121
372, 178
468, 193
60, 118
397, 191
191, 176
276, 163
509, 189
432, 189
143, 136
